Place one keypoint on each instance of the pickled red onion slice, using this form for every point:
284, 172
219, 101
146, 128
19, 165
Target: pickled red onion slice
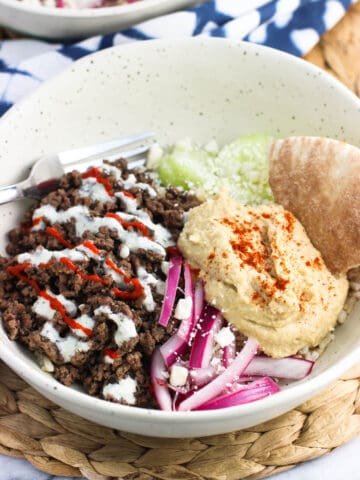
199, 300
220, 383
158, 372
202, 376
187, 324
178, 343
203, 346
171, 286
249, 393
172, 349
229, 354
292, 368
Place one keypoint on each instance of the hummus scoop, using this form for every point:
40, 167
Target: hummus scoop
261, 270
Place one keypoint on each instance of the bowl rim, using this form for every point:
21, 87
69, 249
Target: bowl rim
85, 13
45, 382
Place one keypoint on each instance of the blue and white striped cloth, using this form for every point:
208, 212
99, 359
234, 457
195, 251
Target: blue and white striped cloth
293, 26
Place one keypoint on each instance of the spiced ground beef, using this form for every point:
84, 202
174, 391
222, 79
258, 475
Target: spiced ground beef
17, 297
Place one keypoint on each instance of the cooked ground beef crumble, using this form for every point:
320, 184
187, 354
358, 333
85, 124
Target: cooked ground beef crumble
70, 308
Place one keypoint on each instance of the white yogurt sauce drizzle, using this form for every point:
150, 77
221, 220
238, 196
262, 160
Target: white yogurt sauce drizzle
160, 233
131, 182
146, 280
43, 255
126, 329
95, 190
84, 221
68, 346
132, 241
124, 390
112, 170
42, 308
86, 322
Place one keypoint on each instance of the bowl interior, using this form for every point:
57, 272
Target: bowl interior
201, 89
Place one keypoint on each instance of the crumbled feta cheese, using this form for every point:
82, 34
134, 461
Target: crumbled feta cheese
304, 351
212, 146
154, 155
160, 287
215, 362
124, 251
178, 375
108, 359
45, 363
165, 267
342, 316
183, 308
314, 355
224, 337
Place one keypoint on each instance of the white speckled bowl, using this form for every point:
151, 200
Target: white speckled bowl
201, 88
58, 24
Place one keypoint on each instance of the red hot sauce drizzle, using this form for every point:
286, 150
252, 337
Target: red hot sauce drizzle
128, 194
27, 228
84, 276
137, 290
138, 225
90, 246
135, 293
96, 173
18, 270
56, 234
113, 354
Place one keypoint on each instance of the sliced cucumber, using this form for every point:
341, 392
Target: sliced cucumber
186, 165
241, 167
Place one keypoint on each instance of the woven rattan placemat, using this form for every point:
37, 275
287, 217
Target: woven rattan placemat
60, 443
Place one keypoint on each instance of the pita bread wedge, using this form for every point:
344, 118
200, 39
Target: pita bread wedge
318, 180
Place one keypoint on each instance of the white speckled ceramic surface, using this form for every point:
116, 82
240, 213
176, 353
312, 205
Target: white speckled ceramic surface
54, 23
203, 88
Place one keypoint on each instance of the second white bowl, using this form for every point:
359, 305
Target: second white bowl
60, 24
